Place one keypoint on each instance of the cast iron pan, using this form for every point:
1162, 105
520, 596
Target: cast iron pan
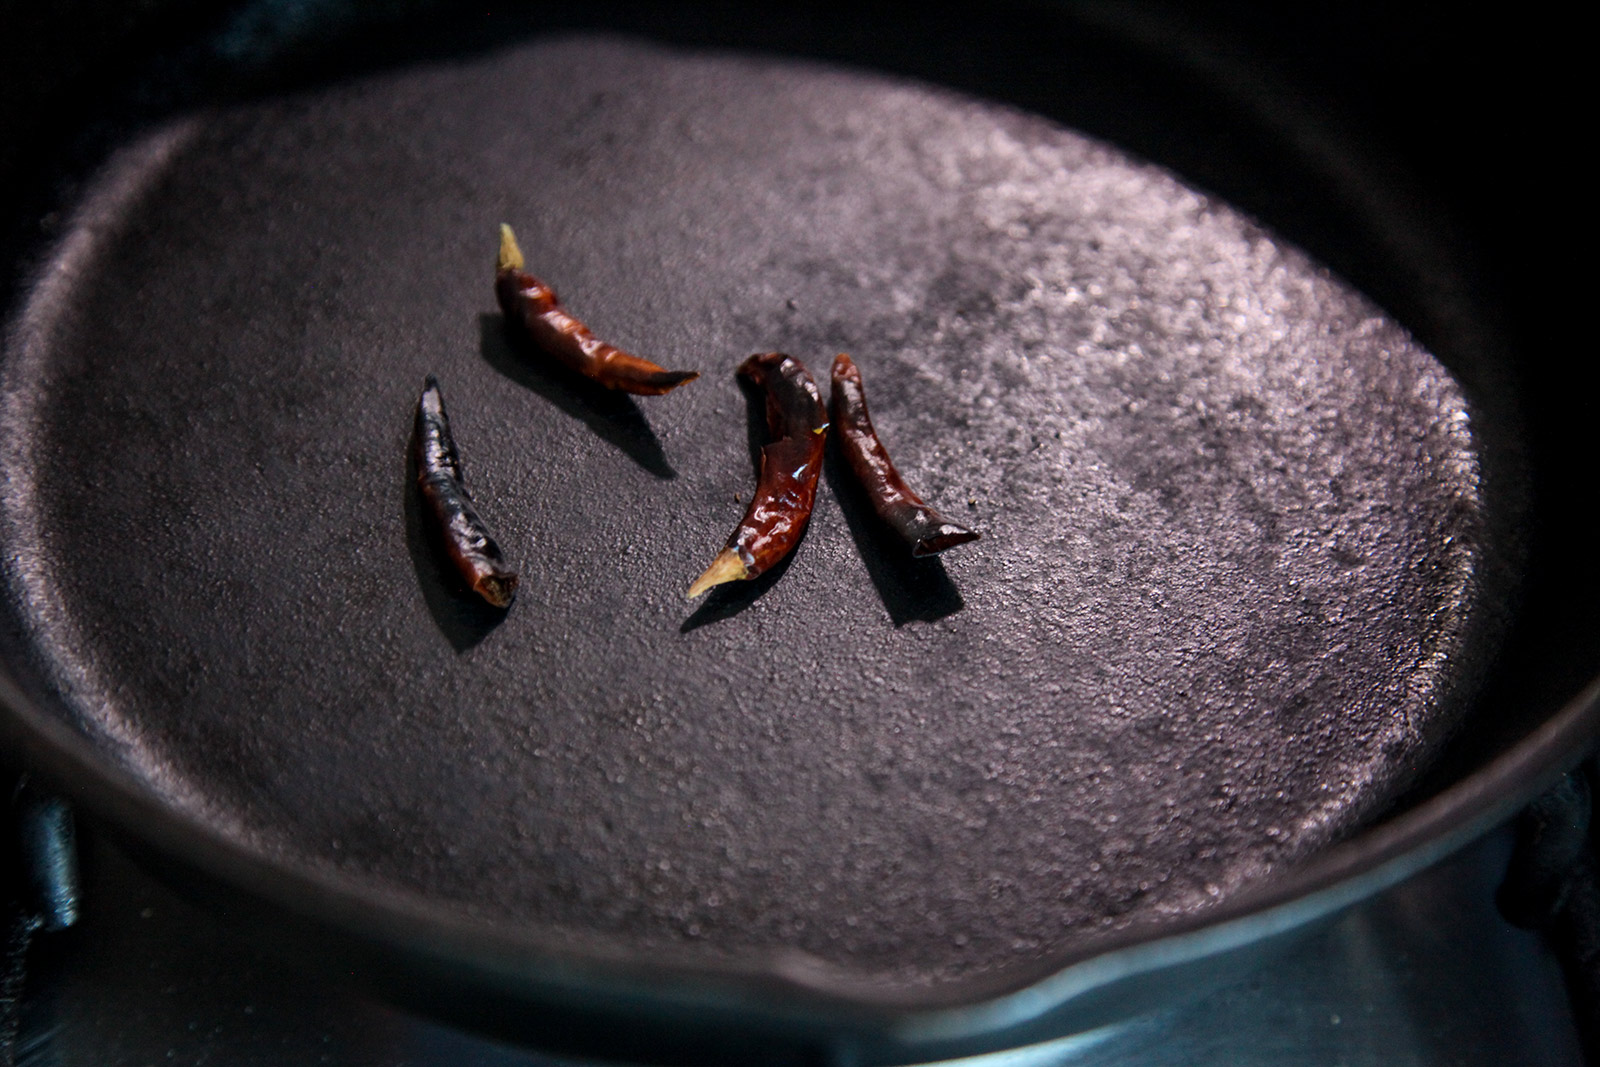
1249, 559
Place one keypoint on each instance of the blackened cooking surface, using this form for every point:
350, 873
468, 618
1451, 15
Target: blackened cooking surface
1230, 513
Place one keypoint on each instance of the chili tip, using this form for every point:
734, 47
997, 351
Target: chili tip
727, 567
510, 254
497, 589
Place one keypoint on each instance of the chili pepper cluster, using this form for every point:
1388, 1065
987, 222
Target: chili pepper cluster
791, 462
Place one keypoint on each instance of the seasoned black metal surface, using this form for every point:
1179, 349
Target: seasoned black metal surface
1231, 513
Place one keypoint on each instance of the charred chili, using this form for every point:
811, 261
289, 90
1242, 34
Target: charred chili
924, 529
790, 463
447, 506
533, 308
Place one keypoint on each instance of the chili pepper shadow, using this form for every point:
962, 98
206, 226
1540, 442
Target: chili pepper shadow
914, 590
613, 416
463, 616
726, 601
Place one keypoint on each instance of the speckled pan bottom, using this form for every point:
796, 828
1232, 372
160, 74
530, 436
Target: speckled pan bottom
1231, 516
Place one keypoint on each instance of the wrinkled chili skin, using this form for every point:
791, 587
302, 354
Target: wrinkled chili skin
533, 309
921, 527
446, 505
787, 485
786, 488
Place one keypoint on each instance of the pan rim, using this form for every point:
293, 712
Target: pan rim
793, 991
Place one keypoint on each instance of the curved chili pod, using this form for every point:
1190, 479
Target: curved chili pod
925, 530
447, 506
790, 463
534, 307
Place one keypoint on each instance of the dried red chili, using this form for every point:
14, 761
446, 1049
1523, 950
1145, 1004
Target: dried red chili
534, 308
923, 528
790, 463
448, 508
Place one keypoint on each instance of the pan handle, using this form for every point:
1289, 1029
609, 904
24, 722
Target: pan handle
1553, 885
39, 891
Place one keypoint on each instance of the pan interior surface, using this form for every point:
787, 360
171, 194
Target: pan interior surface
1231, 515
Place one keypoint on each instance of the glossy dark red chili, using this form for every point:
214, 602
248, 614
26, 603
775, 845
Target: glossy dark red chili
923, 528
533, 308
448, 508
790, 463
